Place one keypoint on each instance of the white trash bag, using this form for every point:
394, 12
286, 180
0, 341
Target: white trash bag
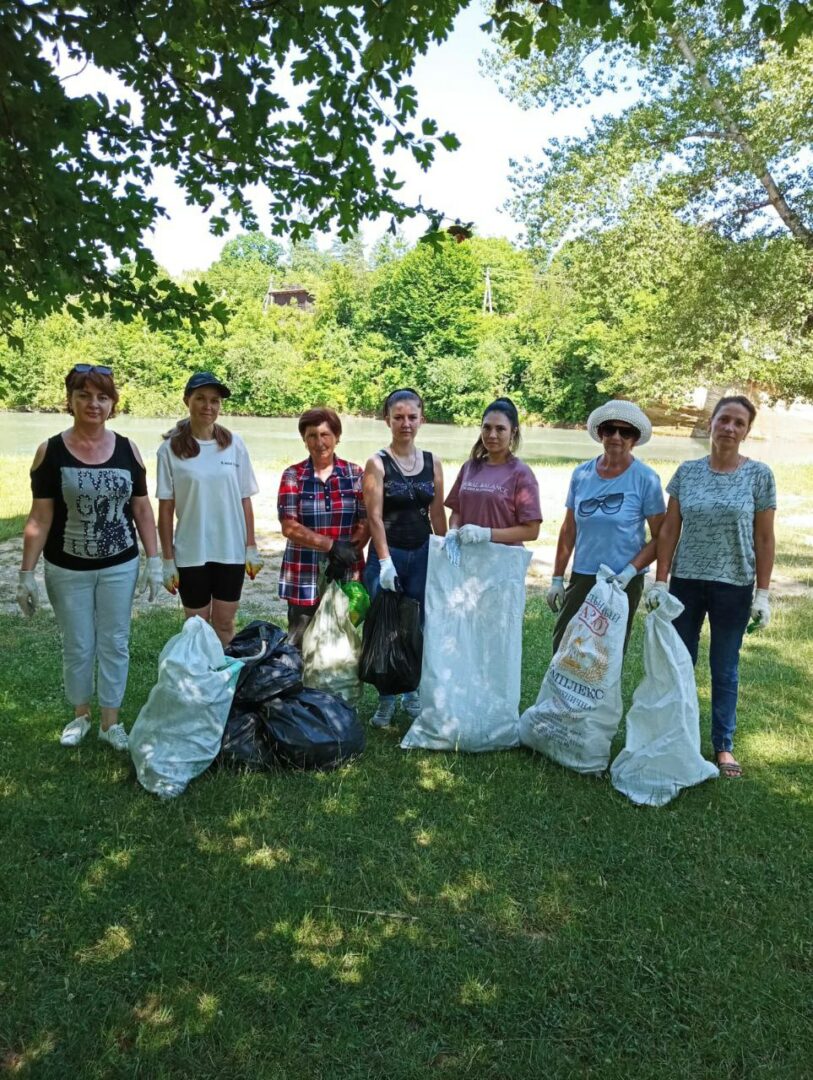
331, 648
662, 751
178, 732
472, 649
579, 706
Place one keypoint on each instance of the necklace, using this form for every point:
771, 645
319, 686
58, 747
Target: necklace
400, 463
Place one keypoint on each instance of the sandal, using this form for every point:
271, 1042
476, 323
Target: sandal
731, 770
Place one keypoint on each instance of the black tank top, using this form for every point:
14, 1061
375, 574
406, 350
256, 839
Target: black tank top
93, 519
406, 503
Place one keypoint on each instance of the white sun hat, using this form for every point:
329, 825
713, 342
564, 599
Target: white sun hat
624, 411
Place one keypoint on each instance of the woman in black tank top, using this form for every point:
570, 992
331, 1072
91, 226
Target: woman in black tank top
403, 495
90, 499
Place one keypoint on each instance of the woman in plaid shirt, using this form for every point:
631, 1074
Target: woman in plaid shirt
321, 511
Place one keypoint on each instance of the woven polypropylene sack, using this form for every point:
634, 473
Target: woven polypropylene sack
178, 732
578, 708
472, 649
662, 751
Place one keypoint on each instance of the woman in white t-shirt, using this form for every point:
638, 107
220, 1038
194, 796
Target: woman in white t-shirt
205, 484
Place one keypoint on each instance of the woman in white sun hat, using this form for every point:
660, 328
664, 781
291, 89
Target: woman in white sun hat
611, 500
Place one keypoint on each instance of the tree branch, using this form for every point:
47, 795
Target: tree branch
734, 133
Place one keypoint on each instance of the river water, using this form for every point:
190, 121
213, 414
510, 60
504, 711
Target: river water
277, 440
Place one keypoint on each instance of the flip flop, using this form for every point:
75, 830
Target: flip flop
731, 770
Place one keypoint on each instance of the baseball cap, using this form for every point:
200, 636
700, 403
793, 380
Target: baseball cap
206, 378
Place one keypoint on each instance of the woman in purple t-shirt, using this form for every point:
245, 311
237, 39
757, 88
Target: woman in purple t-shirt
495, 496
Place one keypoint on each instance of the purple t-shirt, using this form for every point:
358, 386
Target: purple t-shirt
496, 496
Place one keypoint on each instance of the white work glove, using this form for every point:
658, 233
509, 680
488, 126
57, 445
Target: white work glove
254, 561
626, 575
28, 593
760, 610
655, 595
387, 575
555, 595
151, 577
169, 575
474, 534
451, 545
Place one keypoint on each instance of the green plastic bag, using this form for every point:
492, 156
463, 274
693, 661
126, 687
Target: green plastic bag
359, 601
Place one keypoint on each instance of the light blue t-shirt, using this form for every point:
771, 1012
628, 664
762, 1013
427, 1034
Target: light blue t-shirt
611, 514
717, 537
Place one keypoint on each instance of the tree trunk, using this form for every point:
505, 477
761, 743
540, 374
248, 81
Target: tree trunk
757, 165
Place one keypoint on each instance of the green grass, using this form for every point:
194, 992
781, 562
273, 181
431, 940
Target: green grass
412, 914
409, 915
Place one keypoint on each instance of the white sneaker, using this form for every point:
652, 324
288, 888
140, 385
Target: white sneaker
116, 736
411, 704
383, 714
75, 731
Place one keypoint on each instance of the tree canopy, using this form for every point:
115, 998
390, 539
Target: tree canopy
231, 95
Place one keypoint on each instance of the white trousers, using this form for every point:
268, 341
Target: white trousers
92, 609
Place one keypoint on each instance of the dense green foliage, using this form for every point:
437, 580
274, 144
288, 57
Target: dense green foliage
304, 103
648, 309
684, 220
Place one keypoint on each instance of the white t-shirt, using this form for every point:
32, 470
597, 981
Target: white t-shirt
208, 491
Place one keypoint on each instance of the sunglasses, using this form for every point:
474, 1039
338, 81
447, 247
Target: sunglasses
610, 504
616, 429
85, 369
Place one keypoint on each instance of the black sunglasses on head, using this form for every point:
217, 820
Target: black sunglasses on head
616, 429
85, 369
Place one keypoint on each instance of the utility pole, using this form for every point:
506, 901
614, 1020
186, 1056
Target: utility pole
487, 304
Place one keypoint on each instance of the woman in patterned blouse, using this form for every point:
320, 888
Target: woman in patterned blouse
718, 540
321, 511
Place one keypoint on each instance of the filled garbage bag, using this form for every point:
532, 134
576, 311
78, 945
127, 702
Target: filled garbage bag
472, 649
392, 644
359, 600
179, 730
578, 709
271, 665
245, 741
312, 730
662, 751
331, 647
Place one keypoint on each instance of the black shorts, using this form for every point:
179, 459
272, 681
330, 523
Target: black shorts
199, 585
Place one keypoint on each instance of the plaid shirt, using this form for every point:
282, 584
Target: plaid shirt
331, 507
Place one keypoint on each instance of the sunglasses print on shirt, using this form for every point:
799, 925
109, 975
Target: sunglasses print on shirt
608, 504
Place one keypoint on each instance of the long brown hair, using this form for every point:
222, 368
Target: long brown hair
503, 405
184, 444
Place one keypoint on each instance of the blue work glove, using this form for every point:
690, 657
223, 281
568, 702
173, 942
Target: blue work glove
451, 545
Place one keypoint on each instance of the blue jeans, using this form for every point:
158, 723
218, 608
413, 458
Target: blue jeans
410, 565
728, 608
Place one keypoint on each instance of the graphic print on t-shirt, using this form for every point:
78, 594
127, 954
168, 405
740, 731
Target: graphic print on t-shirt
96, 526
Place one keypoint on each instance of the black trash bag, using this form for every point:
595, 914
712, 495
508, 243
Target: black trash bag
312, 730
245, 741
278, 670
392, 644
247, 643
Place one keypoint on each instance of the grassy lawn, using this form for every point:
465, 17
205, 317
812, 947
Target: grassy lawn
413, 914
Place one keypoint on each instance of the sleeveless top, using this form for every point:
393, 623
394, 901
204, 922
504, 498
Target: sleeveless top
93, 520
406, 503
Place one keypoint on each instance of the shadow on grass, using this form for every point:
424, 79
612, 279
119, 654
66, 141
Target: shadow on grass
473, 915
12, 525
